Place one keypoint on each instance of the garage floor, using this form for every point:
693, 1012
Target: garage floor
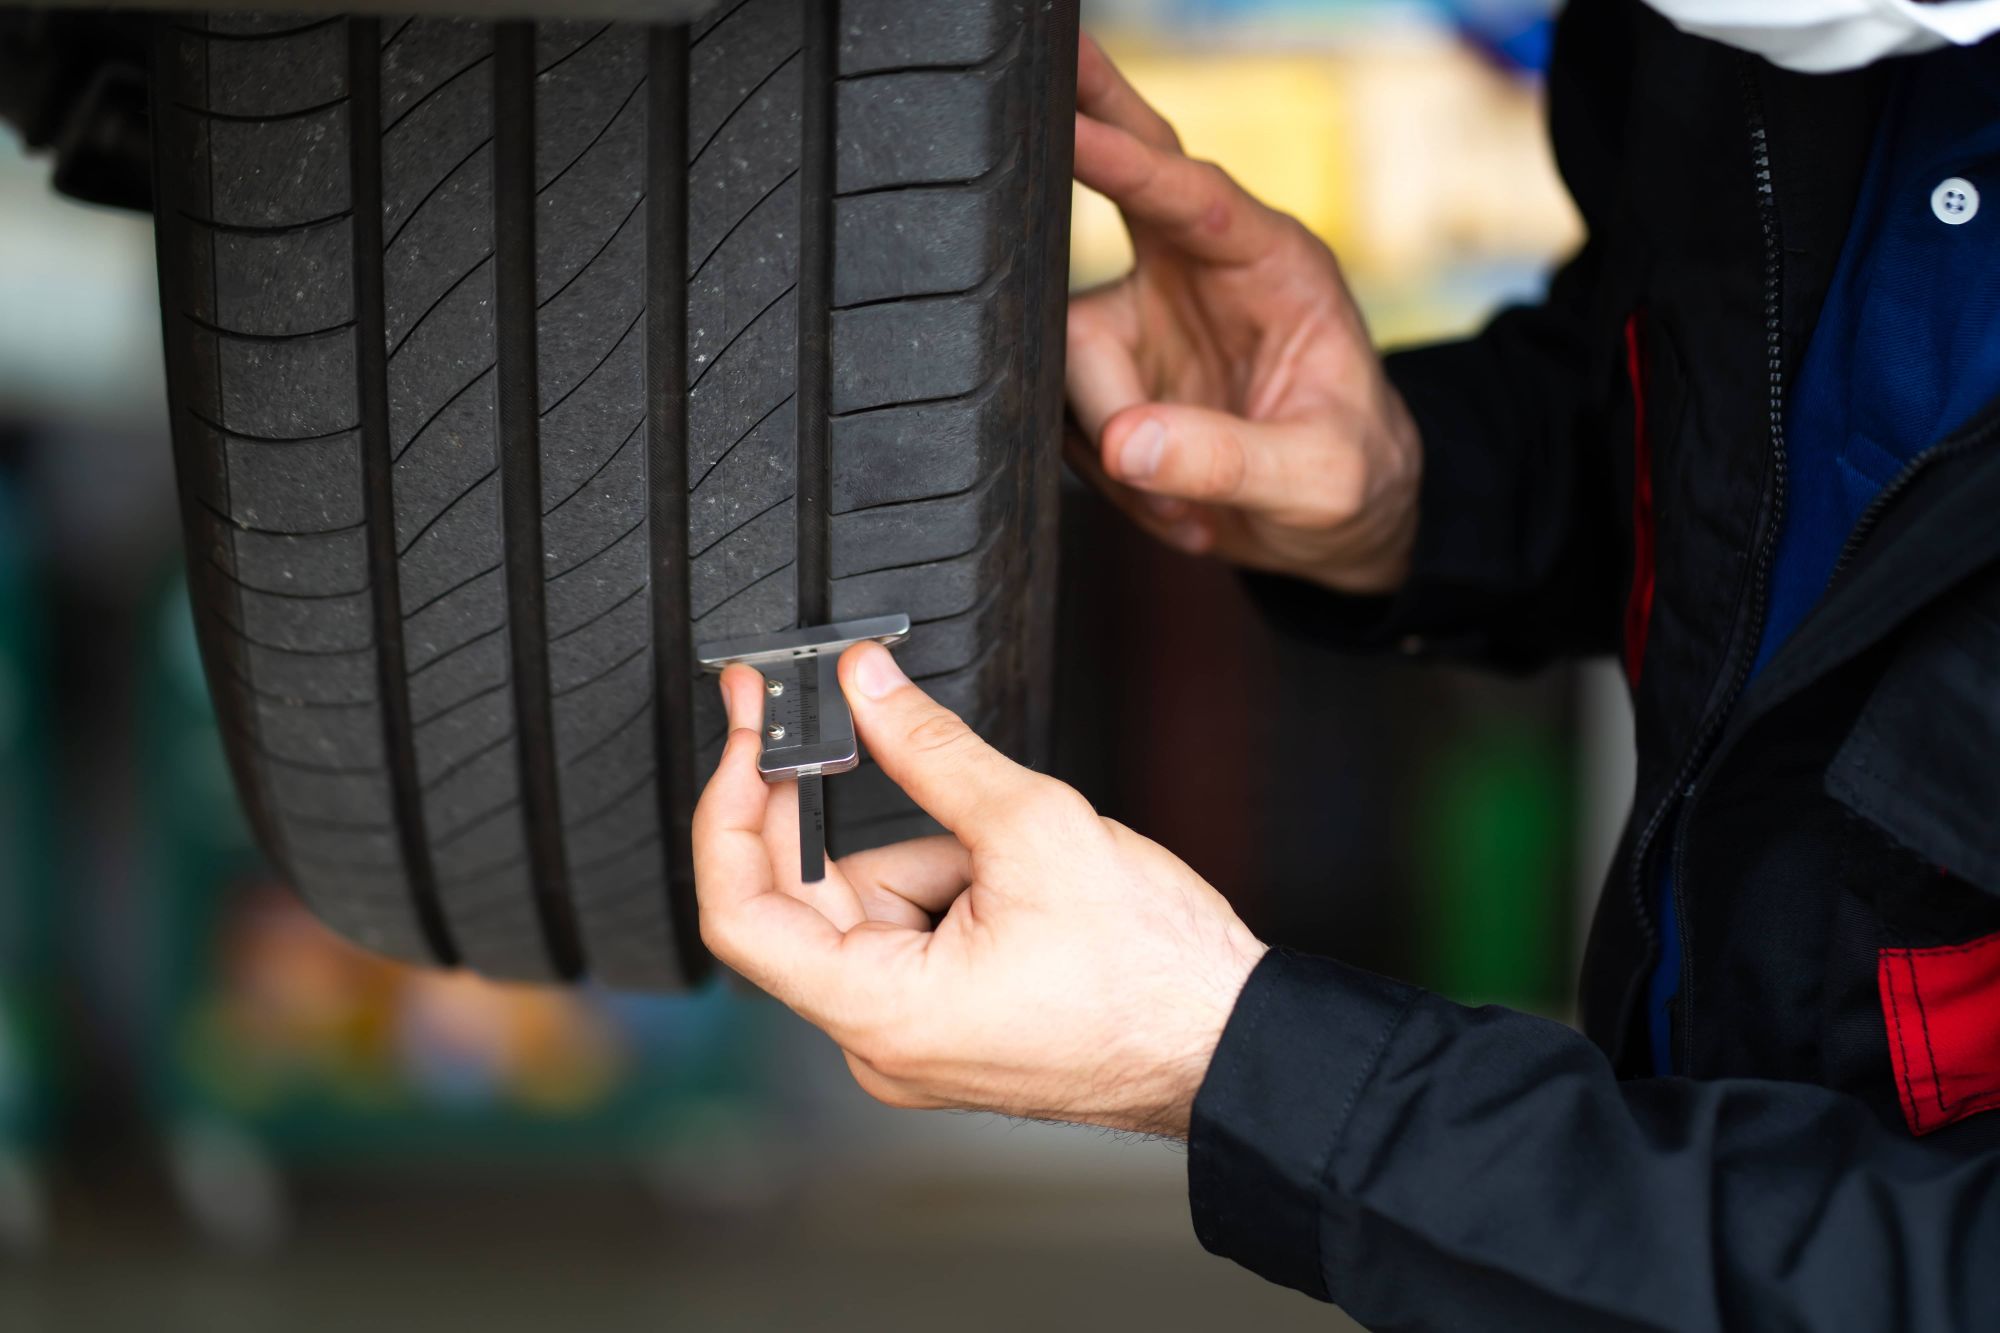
933, 1256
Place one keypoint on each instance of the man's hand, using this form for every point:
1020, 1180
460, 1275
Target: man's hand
1228, 383
1075, 971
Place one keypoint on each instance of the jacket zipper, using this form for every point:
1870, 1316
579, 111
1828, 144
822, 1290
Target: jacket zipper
1686, 786
1872, 515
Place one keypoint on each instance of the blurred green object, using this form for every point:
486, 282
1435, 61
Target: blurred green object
1494, 850
266, 1030
28, 973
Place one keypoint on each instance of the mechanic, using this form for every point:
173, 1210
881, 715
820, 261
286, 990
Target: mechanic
1751, 439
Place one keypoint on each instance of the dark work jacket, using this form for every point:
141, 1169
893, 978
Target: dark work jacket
1603, 473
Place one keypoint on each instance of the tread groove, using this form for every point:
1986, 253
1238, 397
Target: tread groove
521, 488
364, 82
240, 526
821, 56
264, 228
242, 335
221, 429
301, 29
269, 118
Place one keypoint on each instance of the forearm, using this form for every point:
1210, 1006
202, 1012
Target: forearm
1427, 1165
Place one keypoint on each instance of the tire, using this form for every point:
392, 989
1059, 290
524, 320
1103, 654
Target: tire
508, 361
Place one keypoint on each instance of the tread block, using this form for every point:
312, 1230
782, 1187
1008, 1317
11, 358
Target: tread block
928, 591
765, 606
277, 173
904, 351
726, 65
431, 147
451, 456
347, 798
938, 646
741, 387
581, 349
330, 738
912, 451
924, 128
556, 42
323, 625
290, 72
310, 487
577, 594
346, 678
902, 243
449, 357
755, 150
753, 552
423, 54
922, 530
446, 248
759, 472
458, 737
309, 566
289, 282
742, 279
573, 656
878, 35
587, 101
466, 536
480, 664
284, 390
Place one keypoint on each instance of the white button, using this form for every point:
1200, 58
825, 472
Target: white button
1955, 200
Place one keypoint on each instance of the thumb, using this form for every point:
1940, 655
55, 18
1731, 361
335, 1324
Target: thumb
1289, 466
960, 781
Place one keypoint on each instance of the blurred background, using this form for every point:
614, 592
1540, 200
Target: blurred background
214, 1115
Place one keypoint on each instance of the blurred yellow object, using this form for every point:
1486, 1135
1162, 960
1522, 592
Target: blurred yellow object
1404, 150
1277, 122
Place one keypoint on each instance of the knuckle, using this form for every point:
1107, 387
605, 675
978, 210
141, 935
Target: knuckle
1226, 466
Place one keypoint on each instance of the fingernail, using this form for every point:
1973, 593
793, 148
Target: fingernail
1166, 507
1139, 458
877, 674
1191, 536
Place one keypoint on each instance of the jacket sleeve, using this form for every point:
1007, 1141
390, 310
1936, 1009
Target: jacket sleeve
1521, 547
1428, 1166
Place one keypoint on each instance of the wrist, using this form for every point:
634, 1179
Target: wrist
1196, 1017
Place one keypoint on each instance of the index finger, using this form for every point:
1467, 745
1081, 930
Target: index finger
1103, 93
1194, 206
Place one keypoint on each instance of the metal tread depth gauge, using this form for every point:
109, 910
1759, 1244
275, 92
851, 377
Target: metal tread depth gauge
808, 732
